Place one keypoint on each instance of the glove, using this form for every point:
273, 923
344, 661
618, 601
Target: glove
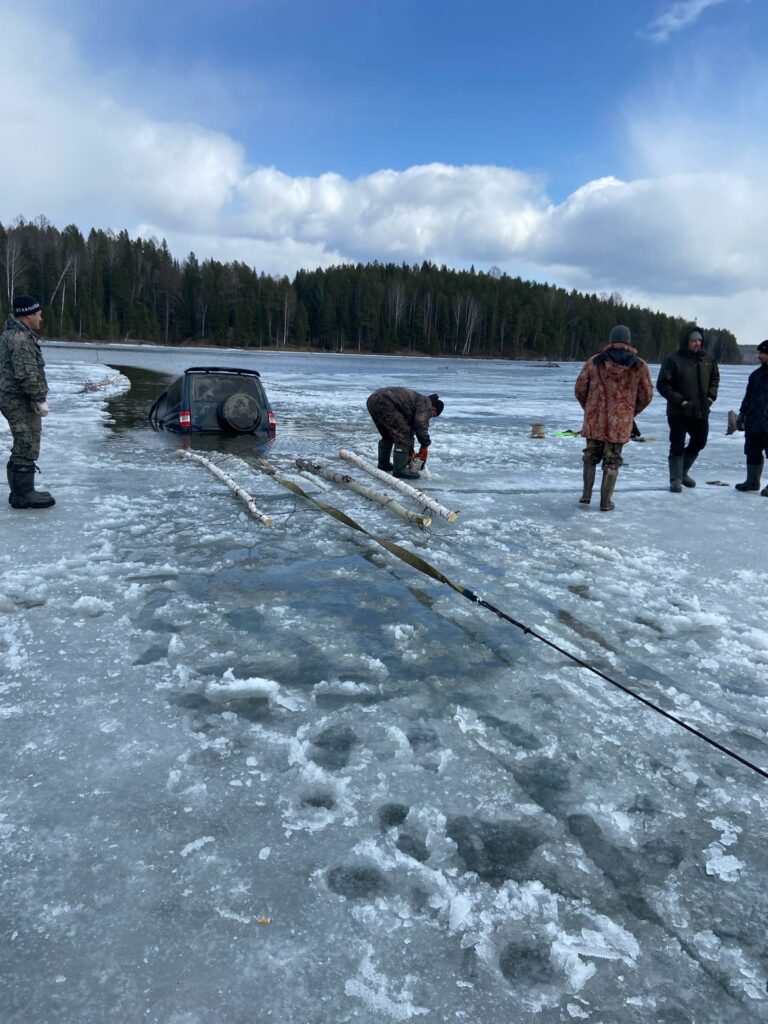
41, 408
423, 453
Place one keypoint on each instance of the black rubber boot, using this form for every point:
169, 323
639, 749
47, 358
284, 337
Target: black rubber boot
754, 472
401, 458
676, 473
606, 490
23, 493
688, 461
589, 483
385, 456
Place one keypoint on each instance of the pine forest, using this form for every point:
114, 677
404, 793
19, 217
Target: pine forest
110, 287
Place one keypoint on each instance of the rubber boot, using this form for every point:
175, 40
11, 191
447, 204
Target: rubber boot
676, 473
606, 490
754, 472
688, 461
23, 493
385, 456
589, 483
401, 458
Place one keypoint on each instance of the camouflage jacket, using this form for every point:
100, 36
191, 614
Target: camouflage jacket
416, 410
22, 368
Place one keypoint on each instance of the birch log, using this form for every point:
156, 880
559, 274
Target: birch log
399, 485
234, 487
367, 492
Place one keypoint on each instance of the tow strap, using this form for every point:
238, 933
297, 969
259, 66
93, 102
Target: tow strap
425, 567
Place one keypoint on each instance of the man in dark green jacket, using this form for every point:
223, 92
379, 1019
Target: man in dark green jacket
23, 394
688, 379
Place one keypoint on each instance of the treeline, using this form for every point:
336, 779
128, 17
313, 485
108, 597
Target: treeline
113, 287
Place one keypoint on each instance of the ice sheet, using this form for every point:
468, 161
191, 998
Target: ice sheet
209, 724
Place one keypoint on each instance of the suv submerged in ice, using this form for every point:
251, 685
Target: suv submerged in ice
212, 399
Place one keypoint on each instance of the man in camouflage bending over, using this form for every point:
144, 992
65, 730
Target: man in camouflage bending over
23, 393
399, 413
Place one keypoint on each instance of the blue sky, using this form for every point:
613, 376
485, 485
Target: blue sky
600, 145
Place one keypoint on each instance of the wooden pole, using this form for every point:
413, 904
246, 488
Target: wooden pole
366, 492
234, 487
399, 485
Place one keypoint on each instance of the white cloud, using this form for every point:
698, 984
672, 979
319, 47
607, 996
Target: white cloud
69, 146
428, 212
686, 233
677, 17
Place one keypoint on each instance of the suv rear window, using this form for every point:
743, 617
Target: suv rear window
207, 388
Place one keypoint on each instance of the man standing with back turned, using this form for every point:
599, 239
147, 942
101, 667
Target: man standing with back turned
688, 379
23, 393
612, 388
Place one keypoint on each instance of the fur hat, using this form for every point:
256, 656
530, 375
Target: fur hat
25, 305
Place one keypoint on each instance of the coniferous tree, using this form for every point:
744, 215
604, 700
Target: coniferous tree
113, 287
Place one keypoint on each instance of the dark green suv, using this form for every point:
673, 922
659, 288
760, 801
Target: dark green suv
212, 399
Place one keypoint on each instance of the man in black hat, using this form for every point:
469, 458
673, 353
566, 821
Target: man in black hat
23, 393
399, 413
689, 380
753, 420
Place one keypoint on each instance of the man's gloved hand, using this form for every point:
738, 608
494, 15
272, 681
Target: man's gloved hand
423, 453
41, 408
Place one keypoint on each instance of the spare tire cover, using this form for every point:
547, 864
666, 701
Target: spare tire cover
240, 413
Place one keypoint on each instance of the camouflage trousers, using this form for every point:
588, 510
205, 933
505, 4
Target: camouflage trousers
607, 452
26, 429
390, 422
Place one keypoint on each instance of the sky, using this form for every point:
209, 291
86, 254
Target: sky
596, 145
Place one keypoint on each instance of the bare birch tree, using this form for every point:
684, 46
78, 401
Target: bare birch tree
14, 265
473, 310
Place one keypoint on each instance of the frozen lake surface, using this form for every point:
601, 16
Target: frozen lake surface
276, 774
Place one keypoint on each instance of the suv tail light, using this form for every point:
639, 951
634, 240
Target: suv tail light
185, 419
271, 420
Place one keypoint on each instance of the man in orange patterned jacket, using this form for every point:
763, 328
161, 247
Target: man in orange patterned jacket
612, 388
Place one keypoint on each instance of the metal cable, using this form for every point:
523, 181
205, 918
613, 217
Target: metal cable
419, 563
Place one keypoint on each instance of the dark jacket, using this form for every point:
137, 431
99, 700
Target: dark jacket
691, 377
415, 409
754, 407
22, 368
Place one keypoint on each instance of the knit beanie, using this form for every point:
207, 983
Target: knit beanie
25, 305
437, 403
621, 334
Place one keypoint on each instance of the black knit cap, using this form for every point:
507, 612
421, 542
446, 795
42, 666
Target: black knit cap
763, 346
25, 305
437, 403
621, 334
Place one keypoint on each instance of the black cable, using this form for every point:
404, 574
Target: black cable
626, 689
417, 562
